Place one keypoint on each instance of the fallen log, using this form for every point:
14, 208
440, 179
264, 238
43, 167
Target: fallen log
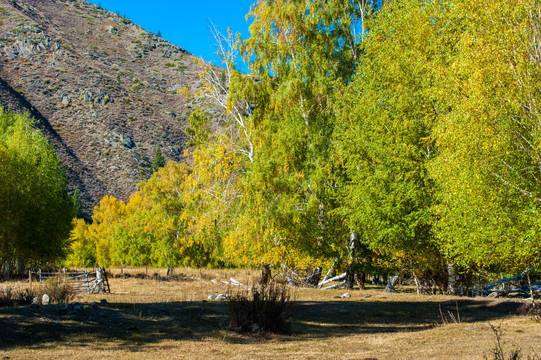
342, 283
487, 288
234, 282
330, 270
230, 282
336, 278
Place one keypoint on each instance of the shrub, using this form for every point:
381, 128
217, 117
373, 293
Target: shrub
6, 297
25, 296
264, 308
58, 291
12, 296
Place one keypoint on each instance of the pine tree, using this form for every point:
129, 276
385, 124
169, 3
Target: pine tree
158, 161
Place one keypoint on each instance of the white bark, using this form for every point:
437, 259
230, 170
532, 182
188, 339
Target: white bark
218, 92
336, 278
335, 285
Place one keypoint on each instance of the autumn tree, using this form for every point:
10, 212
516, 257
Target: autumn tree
384, 139
301, 55
439, 136
399, 140
36, 209
83, 247
488, 170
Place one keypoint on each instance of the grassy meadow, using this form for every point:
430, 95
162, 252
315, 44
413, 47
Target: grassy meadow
148, 318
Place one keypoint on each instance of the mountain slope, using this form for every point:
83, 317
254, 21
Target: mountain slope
106, 92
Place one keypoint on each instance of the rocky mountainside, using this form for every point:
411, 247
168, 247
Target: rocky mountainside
106, 92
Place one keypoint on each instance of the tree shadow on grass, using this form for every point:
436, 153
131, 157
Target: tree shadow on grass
129, 326
342, 318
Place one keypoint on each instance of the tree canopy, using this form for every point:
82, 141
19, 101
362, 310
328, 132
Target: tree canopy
412, 125
35, 208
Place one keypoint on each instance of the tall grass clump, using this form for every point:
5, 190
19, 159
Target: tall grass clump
263, 308
59, 292
6, 297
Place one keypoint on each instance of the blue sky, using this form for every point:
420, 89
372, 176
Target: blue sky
185, 22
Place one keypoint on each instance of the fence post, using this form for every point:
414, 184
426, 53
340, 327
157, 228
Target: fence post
30, 278
39, 273
87, 283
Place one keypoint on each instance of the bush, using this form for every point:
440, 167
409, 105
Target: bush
58, 291
25, 296
264, 308
6, 297
13, 296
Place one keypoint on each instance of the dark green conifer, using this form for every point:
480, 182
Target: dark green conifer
158, 161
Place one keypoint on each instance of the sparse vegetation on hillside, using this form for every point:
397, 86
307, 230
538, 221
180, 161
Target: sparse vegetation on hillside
91, 108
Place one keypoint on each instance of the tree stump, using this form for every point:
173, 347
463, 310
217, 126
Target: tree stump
266, 275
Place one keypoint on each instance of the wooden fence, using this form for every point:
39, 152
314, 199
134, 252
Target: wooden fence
84, 281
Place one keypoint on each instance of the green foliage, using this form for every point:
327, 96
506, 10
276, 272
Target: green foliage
83, 249
36, 210
198, 128
489, 140
385, 141
161, 225
158, 160
302, 54
419, 134
77, 202
439, 140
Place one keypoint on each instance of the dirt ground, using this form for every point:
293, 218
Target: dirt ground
155, 319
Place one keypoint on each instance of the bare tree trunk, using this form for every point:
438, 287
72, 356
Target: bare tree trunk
417, 283
391, 283
350, 277
20, 266
451, 279
330, 270
350, 269
531, 290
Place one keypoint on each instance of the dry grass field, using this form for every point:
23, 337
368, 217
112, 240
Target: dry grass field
156, 319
